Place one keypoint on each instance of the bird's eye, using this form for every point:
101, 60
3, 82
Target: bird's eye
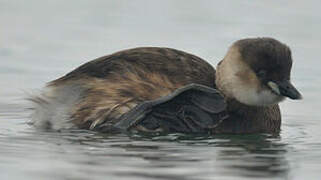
261, 73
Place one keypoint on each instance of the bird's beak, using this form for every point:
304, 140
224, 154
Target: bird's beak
285, 88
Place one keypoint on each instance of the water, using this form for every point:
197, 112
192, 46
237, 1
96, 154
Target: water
42, 40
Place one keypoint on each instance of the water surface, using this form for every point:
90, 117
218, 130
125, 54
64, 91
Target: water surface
42, 40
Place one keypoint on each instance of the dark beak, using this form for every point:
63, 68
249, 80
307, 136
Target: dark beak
288, 90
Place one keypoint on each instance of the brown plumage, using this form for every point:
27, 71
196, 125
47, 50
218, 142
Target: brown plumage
110, 86
116, 83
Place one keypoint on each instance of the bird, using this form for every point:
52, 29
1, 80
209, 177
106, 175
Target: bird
165, 90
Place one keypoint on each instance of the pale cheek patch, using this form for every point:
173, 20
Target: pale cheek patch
254, 98
247, 89
266, 98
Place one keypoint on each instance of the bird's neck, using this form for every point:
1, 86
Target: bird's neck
241, 110
250, 119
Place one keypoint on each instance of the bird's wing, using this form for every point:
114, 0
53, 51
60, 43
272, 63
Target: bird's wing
191, 109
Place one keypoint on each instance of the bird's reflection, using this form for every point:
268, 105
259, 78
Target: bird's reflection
178, 156
255, 155
258, 155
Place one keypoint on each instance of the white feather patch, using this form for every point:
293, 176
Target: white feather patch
52, 107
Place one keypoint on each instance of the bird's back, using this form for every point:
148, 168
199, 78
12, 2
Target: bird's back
177, 66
